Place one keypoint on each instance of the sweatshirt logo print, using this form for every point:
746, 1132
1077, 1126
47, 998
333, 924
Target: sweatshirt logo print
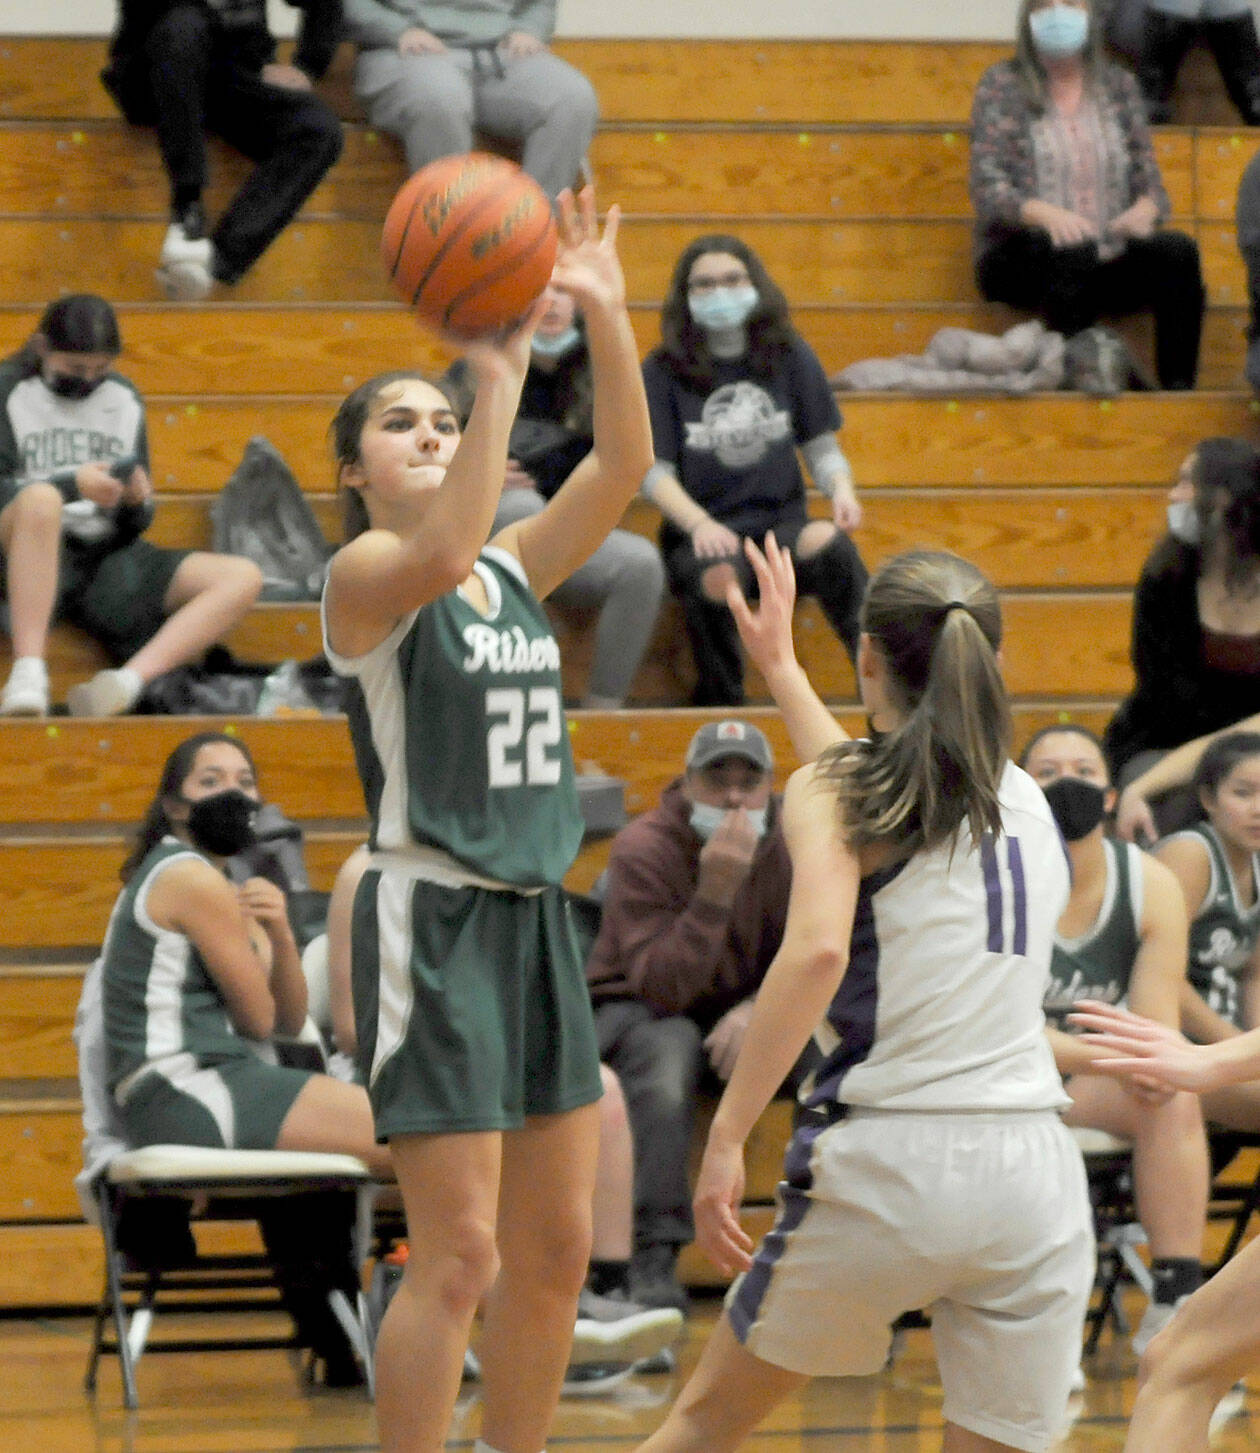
738, 424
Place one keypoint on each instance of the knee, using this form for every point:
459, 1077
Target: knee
578, 103
1181, 256
643, 572
241, 579
461, 1270
37, 507
715, 580
184, 31
815, 537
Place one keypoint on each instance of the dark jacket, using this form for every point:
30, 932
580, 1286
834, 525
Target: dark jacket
659, 943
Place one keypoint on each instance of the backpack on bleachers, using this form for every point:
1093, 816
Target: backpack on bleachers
261, 513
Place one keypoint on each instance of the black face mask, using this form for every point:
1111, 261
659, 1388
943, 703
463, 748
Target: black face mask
71, 386
1077, 806
223, 824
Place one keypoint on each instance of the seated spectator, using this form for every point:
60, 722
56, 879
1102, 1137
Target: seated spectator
735, 392
1122, 940
1227, 27
1247, 220
1217, 864
187, 68
1067, 193
612, 1333
436, 75
1196, 638
624, 579
75, 499
196, 975
693, 913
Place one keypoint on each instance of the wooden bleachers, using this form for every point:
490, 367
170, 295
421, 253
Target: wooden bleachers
844, 163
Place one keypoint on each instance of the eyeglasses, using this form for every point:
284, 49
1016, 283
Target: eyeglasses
727, 280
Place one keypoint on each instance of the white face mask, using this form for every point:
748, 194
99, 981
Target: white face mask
555, 345
706, 820
1059, 31
1183, 521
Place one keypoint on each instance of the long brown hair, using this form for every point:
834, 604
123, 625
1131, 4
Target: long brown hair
936, 623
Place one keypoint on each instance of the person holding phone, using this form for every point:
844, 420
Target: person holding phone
75, 500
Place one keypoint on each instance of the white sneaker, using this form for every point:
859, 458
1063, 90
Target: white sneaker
184, 266
615, 1330
1156, 1317
26, 691
108, 693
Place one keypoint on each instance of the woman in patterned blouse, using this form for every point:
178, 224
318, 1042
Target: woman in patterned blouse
1068, 198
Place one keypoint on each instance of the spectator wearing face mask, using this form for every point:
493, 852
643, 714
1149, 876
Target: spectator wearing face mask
621, 584
1122, 939
738, 400
75, 499
1067, 193
693, 913
1196, 640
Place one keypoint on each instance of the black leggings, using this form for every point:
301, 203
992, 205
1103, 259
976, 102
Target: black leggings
835, 575
1071, 289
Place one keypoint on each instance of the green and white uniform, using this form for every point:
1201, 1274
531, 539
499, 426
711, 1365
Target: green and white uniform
1222, 932
469, 992
1099, 963
177, 1068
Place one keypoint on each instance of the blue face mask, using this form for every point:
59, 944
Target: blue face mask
1183, 521
723, 307
705, 819
1059, 31
557, 344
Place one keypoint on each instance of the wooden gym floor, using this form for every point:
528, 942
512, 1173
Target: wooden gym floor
252, 1402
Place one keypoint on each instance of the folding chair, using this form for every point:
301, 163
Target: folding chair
221, 1184
1233, 1198
217, 1184
1109, 1172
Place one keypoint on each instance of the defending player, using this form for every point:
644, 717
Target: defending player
474, 1021
931, 1169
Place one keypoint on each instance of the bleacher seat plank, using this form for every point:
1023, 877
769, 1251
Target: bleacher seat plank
261, 349
39, 1156
1220, 155
814, 260
1028, 537
36, 1015
1042, 439
68, 770
60, 890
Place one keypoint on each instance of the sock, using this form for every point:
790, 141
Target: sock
1174, 1277
608, 1276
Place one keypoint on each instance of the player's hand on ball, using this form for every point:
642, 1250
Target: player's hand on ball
719, 1191
587, 265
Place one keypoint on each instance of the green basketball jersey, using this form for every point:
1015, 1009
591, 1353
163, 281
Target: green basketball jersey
1222, 933
159, 998
459, 732
1099, 964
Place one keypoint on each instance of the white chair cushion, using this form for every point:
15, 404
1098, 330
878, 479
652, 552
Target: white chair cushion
199, 1163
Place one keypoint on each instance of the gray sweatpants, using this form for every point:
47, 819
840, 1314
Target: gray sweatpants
436, 103
623, 580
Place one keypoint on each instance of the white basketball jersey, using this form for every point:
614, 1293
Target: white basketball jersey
940, 1007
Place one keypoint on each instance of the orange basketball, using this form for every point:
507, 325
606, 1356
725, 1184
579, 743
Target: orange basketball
469, 242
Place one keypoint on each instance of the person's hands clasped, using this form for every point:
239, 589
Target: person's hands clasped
417, 41
723, 1042
1138, 221
287, 77
719, 1191
767, 631
713, 541
517, 44
1065, 228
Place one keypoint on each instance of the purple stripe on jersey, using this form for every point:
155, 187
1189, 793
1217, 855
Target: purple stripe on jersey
992, 891
798, 1178
1015, 859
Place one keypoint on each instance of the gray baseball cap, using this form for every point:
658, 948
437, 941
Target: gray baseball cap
718, 739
